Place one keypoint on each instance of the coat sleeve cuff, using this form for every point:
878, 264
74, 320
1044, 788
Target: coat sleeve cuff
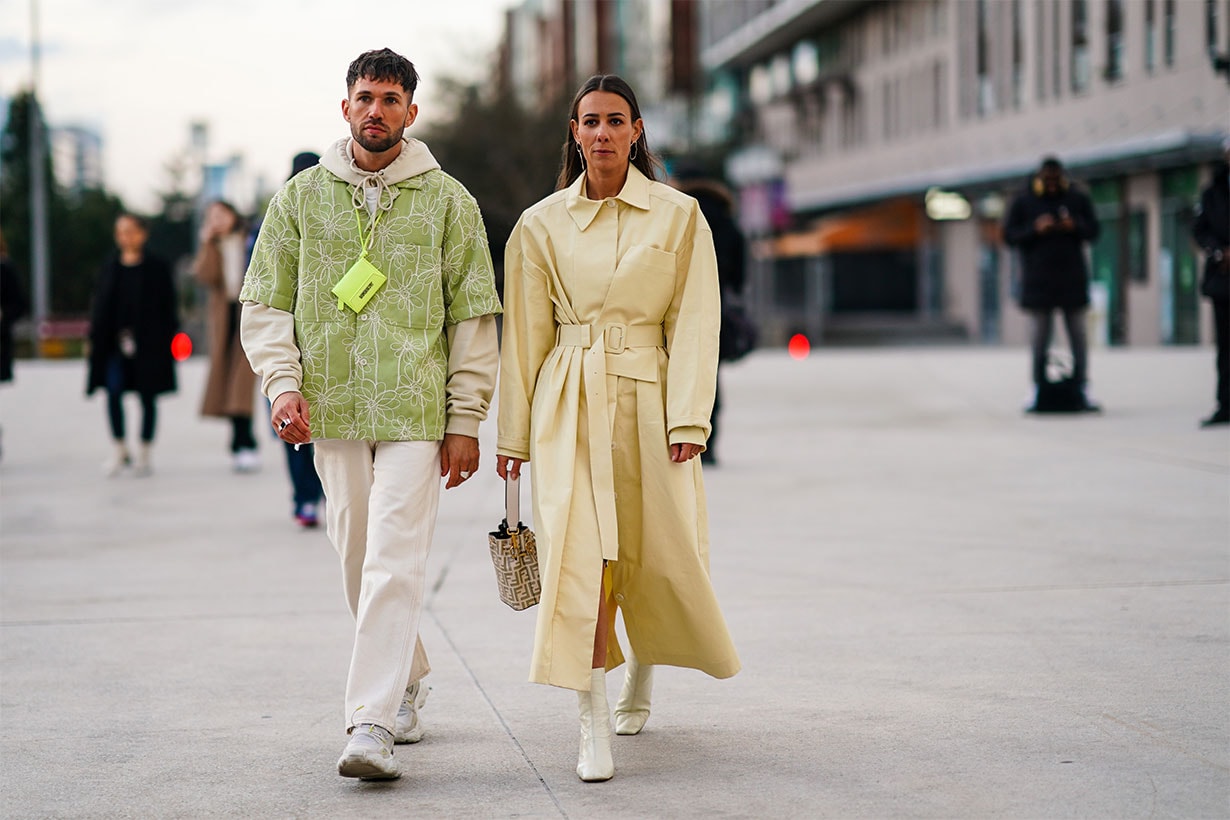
512, 449
688, 435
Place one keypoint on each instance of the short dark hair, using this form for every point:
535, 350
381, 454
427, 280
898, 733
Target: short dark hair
384, 65
140, 221
1051, 164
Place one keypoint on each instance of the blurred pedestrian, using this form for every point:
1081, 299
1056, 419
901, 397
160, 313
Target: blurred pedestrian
13, 306
609, 358
1049, 222
134, 317
306, 491
1211, 230
717, 205
230, 388
391, 385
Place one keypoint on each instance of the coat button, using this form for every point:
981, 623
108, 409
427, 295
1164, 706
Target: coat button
619, 596
610, 203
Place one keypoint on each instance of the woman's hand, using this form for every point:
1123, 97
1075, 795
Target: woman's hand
507, 467
684, 452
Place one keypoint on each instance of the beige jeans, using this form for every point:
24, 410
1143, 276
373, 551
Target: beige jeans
381, 500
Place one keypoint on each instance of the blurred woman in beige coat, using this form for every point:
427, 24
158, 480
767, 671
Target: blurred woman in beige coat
608, 369
230, 389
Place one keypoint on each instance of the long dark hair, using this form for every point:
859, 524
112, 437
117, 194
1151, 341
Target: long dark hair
571, 164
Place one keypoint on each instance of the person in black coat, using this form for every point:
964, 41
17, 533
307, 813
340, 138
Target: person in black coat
13, 305
1211, 230
1049, 222
133, 321
717, 206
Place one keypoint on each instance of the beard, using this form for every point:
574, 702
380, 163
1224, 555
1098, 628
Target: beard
376, 144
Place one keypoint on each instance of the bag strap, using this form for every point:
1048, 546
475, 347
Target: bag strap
512, 504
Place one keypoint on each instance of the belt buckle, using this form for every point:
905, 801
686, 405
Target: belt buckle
616, 335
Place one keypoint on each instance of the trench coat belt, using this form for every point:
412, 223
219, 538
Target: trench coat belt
614, 339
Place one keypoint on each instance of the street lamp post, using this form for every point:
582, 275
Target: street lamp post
38, 193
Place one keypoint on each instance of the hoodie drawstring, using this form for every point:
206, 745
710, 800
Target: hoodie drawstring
371, 179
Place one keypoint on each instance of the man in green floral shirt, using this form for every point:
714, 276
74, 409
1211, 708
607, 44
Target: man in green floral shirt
389, 378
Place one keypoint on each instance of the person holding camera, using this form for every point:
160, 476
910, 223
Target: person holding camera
1049, 222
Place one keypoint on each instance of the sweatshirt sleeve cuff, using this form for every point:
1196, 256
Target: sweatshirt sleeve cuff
279, 386
459, 425
688, 435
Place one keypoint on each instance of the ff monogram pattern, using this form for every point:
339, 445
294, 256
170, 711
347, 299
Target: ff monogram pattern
515, 556
379, 374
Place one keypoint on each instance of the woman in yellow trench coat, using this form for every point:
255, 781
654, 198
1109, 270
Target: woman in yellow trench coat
611, 318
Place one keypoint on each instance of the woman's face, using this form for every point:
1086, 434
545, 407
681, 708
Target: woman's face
221, 219
605, 130
129, 235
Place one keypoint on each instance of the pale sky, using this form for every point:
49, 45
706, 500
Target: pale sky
267, 75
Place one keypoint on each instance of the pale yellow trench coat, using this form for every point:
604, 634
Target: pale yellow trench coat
611, 317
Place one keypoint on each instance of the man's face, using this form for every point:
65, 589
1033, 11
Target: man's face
1052, 179
378, 113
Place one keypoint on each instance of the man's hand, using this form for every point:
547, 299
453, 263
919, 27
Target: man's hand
507, 467
289, 417
1044, 223
458, 458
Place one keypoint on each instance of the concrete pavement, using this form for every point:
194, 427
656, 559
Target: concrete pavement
944, 608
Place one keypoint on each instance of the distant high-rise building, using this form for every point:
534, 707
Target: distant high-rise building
76, 156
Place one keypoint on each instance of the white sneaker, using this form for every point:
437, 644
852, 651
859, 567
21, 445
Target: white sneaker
369, 754
120, 459
144, 466
246, 461
409, 729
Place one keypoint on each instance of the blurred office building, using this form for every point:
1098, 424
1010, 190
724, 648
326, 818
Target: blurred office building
77, 157
876, 144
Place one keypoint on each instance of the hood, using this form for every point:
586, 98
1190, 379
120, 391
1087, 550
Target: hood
413, 160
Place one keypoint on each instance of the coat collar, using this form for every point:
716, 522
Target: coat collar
635, 193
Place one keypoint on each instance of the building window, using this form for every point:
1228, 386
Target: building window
806, 62
780, 76
886, 91
982, 62
1080, 46
1040, 19
1056, 49
1150, 35
1168, 32
1114, 40
1210, 25
937, 113
759, 85
1018, 53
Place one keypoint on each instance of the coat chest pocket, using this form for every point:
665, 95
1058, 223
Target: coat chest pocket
648, 275
649, 259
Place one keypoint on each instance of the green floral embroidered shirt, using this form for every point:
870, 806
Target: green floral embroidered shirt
378, 375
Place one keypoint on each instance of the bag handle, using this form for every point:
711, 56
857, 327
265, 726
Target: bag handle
512, 504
